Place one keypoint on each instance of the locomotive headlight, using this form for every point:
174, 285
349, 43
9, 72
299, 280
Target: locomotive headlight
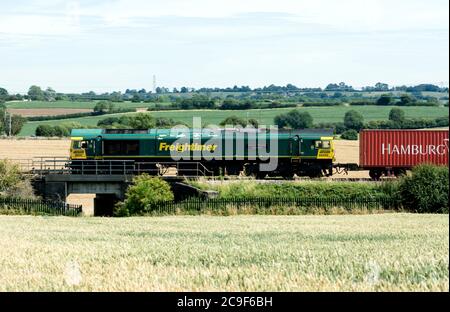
323, 144
326, 144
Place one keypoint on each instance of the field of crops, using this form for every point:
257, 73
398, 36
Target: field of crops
26, 112
265, 116
73, 105
387, 252
31, 148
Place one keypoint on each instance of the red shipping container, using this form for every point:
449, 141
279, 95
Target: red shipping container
402, 148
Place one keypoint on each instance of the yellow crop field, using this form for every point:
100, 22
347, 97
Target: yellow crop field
385, 252
30, 148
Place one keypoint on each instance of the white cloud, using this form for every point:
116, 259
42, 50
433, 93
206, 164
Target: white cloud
348, 14
55, 17
37, 25
99, 44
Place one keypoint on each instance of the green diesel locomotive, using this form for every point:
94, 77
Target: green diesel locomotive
253, 152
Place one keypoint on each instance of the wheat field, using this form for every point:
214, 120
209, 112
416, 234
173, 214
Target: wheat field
386, 252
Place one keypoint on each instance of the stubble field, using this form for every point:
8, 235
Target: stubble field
389, 252
30, 148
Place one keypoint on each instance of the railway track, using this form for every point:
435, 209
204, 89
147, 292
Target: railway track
57, 165
281, 180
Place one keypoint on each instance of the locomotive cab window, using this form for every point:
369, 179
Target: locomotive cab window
113, 147
76, 144
79, 144
131, 147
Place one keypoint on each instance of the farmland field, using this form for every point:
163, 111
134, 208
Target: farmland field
264, 116
30, 148
72, 105
387, 252
30, 112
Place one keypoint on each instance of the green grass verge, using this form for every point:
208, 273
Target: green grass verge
265, 116
245, 189
387, 252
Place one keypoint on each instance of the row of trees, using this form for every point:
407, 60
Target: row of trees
353, 122
231, 103
55, 131
36, 93
297, 119
341, 86
5, 96
205, 102
138, 121
306, 98
10, 124
147, 121
405, 100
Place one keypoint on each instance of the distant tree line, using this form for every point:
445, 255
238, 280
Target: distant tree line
353, 122
36, 93
138, 121
240, 101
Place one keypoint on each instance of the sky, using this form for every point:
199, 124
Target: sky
84, 45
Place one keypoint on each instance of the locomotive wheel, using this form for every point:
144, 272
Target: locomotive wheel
314, 172
253, 171
287, 175
375, 174
260, 175
233, 170
400, 172
315, 175
250, 170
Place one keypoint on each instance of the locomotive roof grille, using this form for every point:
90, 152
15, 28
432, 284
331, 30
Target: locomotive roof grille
94, 133
125, 131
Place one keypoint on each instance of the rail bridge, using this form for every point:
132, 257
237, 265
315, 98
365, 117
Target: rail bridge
57, 178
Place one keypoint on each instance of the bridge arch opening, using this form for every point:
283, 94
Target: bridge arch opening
104, 205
